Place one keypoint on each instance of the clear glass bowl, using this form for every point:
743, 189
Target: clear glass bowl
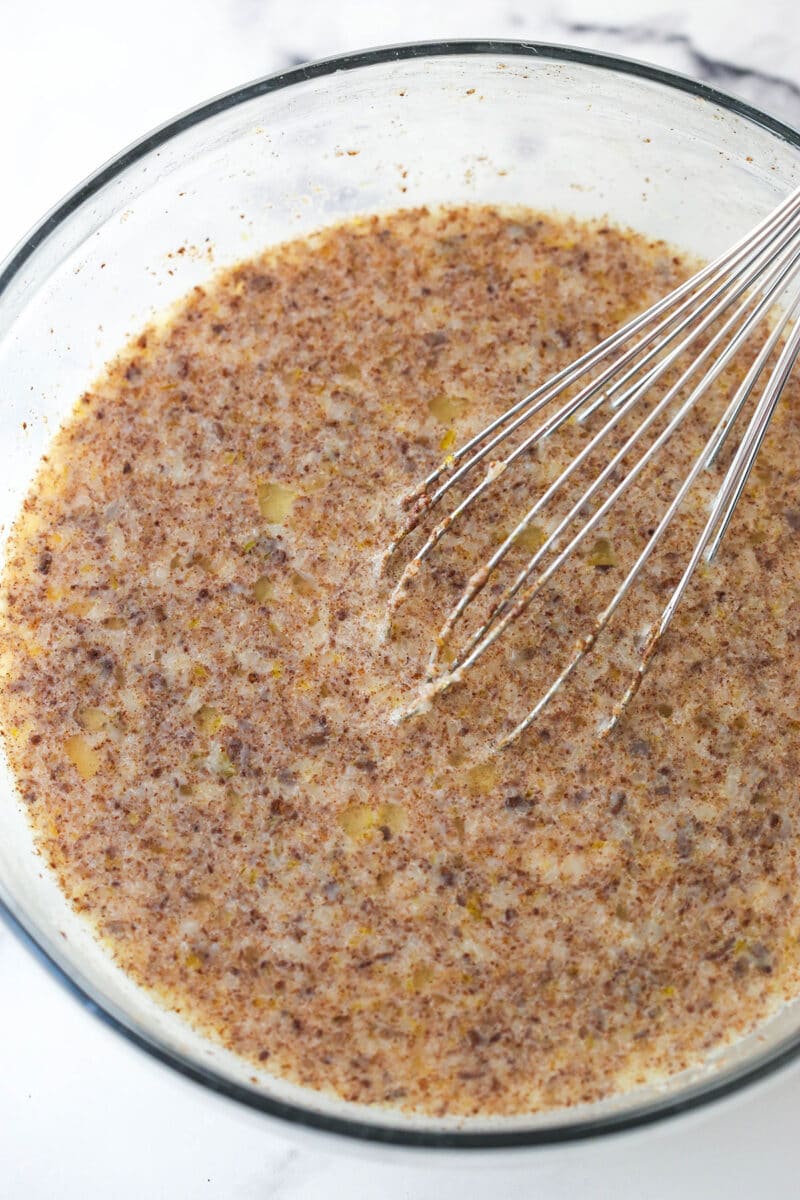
501, 122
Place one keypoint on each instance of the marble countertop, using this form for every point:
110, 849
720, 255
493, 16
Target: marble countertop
82, 1114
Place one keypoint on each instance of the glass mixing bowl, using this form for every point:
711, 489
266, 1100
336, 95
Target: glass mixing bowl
499, 122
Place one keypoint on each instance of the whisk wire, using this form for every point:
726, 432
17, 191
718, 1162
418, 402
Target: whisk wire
740, 252
750, 263
722, 509
751, 275
772, 283
728, 496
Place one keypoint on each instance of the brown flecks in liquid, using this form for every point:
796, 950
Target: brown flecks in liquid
196, 699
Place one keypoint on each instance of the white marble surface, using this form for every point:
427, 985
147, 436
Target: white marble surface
81, 1113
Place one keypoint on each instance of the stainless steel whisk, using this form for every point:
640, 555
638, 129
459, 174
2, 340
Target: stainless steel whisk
748, 279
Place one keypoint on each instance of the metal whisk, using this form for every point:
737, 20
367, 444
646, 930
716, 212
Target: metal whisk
725, 301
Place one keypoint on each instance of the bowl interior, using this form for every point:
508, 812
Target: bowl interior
548, 128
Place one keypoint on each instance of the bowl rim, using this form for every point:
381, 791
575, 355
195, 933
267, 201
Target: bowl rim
695, 1096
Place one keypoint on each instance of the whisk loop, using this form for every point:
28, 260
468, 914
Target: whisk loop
622, 369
